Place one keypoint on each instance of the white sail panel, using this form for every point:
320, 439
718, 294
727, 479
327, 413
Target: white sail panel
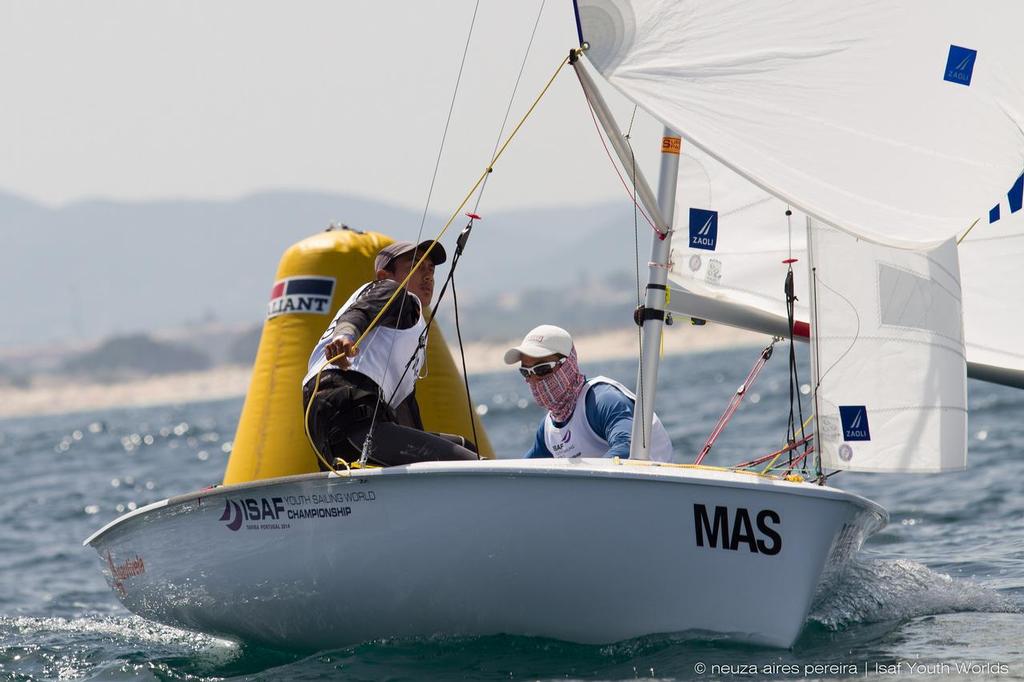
888, 355
901, 121
739, 258
991, 259
753, 236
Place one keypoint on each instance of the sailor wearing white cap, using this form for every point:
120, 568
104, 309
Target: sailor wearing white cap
586, 418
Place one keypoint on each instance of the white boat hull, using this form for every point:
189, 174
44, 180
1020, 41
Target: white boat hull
590, 551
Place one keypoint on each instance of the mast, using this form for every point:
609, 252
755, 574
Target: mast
654, 306
661, 210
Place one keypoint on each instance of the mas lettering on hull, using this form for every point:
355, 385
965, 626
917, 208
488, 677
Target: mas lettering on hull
734, 530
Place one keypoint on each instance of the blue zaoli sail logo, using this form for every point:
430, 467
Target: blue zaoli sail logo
960, 65
855, 422
703, 229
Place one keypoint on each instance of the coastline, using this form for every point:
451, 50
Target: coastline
50, 396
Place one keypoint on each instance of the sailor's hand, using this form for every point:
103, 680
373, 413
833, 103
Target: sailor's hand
339, 351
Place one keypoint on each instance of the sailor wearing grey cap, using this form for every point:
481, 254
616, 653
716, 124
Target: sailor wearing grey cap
373, 386
586, 418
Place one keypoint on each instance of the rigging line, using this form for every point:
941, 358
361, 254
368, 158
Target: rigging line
640, 328
615, 167
735, 400
455, 214
447, 123
794, 378
629, 130
794, 385
511, 99
426, 208
789, 222
964, 235
816, 351
856, 333
465, 200
764, 458
465, 374
422, 341
804, 440
579, 24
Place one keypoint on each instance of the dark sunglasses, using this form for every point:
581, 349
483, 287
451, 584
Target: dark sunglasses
543, 369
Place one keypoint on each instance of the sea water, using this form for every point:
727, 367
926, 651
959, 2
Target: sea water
939, 593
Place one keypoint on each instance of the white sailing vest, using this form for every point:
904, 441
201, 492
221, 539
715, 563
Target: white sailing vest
577, 439
382, 355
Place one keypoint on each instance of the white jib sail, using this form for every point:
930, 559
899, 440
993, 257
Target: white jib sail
901, 121
739, 258
888, 355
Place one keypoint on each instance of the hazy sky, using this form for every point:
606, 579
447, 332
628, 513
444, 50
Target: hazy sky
136, 100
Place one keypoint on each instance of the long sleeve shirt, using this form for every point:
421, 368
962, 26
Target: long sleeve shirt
609, 415
401, 314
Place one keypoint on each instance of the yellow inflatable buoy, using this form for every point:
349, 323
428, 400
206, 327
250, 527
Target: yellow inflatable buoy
313, 279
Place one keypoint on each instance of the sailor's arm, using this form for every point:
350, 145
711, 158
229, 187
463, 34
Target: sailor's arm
339, 349
351, 324
610, 415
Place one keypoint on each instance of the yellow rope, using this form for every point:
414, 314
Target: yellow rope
455, 214
697, 467
803, 427
964, 235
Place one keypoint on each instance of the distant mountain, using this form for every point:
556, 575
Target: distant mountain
591, 304
133, 355
93, 269
18, 378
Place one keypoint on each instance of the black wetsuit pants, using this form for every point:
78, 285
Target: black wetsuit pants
345, 407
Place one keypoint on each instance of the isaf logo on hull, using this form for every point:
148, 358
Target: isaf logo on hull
734, 530
251, 509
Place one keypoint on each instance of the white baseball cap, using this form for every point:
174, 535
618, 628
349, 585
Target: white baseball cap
546, 339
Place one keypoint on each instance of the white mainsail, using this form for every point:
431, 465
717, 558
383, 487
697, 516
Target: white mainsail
892, 127
754, 235
898, 121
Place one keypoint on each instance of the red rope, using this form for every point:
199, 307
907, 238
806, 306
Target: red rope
792, 446
734, 403
616, 168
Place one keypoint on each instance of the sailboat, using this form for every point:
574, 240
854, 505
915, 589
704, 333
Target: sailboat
885, 130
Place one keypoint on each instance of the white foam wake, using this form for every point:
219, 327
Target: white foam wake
875, 590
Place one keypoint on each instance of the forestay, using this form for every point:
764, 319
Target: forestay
901, 121
888, 355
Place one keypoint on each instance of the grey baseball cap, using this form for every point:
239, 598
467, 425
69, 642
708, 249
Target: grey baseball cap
396, 249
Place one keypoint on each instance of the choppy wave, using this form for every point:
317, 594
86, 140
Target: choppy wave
947, 574
877, 590
103, 647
